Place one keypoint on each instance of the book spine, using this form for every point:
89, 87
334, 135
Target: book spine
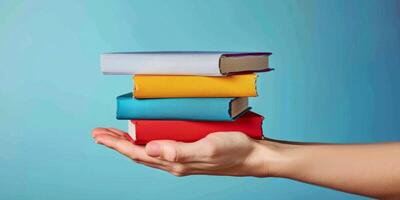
212, 109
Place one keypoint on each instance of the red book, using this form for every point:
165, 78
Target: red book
144, 131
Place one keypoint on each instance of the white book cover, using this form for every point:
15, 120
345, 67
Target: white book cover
164, 63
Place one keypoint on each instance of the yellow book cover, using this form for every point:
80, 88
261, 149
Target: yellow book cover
159, 86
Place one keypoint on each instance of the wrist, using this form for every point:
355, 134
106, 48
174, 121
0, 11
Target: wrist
276, 157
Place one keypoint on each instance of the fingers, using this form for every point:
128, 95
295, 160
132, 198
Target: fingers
173, 151
203, 150
109, 131
118, 144
173, 168
179, 169
152, 165
126, 148
117, 131
177, 158
167, 150
211, 155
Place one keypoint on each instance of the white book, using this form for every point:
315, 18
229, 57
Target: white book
184, 63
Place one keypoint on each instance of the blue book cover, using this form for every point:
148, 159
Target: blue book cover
210, 109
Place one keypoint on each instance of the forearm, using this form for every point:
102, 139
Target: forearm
368, 169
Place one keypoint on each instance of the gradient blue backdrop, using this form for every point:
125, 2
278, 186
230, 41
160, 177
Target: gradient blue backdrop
336, 80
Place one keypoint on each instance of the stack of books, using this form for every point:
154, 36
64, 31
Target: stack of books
184, 96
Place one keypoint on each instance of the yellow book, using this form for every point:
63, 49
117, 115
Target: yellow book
159, 86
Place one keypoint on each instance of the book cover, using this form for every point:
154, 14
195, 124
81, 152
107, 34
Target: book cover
151, 86
184, 63
143, 131
211, 109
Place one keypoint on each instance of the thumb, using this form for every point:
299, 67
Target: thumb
174, 151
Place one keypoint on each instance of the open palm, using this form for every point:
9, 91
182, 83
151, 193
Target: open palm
221, 153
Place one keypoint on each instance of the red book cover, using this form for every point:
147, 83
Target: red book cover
144, 131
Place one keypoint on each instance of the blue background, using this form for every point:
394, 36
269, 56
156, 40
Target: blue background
336, 78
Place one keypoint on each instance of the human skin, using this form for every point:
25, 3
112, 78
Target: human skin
366, 169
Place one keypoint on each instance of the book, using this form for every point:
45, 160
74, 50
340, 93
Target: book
184, 63
144, 131
158, 86
211, 109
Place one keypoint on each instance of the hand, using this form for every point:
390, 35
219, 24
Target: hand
341, 167
221, 153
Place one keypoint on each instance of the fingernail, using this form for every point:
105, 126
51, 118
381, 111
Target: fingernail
153, 149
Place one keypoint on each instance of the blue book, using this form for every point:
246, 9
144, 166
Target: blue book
209, 109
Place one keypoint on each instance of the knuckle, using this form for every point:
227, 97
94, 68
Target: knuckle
178, 169
177, 174
170, 154
179, 155
211, 149
132, 156
174, 156
130, 153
